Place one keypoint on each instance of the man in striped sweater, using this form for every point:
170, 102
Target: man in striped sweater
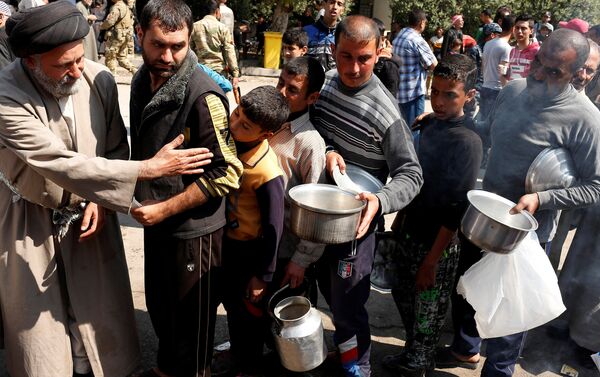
361, 124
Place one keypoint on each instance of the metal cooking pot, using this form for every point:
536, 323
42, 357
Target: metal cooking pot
553, 168
324, 213
488, 223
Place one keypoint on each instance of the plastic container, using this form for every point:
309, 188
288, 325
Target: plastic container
272, 49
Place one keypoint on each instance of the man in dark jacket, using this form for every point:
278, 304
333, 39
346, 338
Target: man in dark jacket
183, 218
321, 34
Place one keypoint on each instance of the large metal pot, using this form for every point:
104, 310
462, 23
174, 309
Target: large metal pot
488, 223
553, 168
324, 213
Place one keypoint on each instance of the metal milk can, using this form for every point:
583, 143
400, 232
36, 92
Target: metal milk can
298, 332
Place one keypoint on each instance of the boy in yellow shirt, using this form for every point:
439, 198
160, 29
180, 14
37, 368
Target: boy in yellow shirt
255, 223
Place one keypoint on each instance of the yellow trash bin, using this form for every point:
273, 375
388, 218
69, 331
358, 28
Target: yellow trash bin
272, 49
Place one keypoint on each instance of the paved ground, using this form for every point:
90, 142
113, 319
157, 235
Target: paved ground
542, 356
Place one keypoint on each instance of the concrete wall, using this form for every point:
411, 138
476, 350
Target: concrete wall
382, 10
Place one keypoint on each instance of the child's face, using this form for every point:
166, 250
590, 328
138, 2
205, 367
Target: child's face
243, 130
448, 98
292, 51
294, 88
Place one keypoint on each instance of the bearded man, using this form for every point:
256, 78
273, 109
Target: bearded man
183, 218
64, 287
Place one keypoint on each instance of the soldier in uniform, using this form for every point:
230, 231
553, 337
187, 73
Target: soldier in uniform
213, 44
130, 38
118, 25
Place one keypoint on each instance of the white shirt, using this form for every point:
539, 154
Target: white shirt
227, 17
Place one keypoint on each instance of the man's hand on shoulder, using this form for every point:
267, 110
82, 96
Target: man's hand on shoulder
169, 161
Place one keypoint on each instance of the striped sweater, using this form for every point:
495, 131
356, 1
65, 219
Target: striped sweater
365, 126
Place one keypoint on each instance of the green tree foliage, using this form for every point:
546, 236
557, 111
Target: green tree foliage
250, 10
440, 11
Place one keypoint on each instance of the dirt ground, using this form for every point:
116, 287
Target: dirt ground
542, 356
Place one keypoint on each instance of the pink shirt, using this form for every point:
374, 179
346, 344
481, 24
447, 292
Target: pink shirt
520, 61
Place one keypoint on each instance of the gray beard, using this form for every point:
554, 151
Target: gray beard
59, 89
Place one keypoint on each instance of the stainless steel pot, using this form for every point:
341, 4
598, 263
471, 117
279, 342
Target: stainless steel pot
324, 213
553, 168
488, 223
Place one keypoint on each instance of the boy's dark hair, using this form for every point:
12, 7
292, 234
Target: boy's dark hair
487, 12
501, 12
358, 28
459, 68
209, 7
380, 26
266, 107
527, 18
172, 15
507, 23
295, 37
309, 67
415, 16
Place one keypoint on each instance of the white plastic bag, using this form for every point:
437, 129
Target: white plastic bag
514, 292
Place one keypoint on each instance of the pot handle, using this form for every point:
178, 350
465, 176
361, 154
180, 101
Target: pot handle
271, 310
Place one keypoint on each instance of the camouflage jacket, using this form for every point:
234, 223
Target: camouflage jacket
119, 17
213, 44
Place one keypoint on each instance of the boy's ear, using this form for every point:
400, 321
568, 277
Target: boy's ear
312, 98
304, 50
471, 94
265, 135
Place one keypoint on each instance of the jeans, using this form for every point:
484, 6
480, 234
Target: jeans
488, 98
412, 109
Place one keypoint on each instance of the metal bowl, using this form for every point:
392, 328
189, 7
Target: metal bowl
489, 224
324, 213
363, 179
553, 168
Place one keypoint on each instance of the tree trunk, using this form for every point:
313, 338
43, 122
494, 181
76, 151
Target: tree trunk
281, 16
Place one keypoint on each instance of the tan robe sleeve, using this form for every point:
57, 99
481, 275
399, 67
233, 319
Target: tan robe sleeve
109, 183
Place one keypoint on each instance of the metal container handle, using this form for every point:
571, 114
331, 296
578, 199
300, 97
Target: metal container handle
272, 310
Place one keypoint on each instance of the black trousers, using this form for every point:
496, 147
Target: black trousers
181, 279
246, 321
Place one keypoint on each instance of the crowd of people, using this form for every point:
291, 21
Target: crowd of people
209, 184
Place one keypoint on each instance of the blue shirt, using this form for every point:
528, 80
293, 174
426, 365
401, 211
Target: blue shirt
416, 56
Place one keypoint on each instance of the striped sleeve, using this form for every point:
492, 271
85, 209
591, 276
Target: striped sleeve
222, 175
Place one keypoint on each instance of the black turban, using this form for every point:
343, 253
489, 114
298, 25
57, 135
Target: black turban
41, 29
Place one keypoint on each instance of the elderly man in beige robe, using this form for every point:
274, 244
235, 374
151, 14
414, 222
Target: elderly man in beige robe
65, 298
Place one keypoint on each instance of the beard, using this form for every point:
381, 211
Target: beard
579, 84
58, 88
160, 68
539, 89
